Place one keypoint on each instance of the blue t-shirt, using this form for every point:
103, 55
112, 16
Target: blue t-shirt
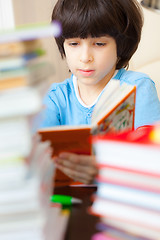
63, 107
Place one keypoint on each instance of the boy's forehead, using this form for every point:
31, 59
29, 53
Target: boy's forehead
104, 36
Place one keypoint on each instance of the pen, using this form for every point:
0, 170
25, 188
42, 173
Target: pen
64, 199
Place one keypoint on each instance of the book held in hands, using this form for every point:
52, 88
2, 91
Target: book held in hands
113, 112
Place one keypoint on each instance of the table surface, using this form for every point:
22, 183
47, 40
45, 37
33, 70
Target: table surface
81, 225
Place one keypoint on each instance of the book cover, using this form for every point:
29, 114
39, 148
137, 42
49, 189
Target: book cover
132, 230
11, 106
117, 233
130, 196
126, 213
29, 32
12, 49
129, 178
114, 112
75, 140
101, 236
17, 62
29, 75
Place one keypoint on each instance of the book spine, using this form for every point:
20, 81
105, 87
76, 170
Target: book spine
131, 196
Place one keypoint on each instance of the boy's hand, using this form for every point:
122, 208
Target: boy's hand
80, 168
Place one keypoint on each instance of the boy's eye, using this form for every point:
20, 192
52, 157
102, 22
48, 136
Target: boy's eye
100, 44
73, 44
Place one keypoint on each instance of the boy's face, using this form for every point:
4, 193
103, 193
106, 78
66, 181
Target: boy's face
91, 60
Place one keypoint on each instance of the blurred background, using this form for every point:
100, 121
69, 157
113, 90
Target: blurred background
20, 12
146, 59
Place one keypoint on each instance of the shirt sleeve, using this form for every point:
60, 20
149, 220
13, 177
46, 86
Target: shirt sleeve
147, 110
50, 113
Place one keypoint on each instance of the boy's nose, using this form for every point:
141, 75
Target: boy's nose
86, 55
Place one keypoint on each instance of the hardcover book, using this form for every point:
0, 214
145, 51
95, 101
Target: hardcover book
113, 112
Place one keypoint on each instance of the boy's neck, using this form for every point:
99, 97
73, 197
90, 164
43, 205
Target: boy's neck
89, 93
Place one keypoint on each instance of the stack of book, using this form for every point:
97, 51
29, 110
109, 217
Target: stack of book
26, 169
128, 195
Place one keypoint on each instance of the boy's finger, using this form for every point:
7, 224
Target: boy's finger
89, 170
78, 159
82, 176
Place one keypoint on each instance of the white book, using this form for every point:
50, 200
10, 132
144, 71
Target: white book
32, 233
130, 178
36, 221
137, 157
131, 196
36, 228
20, 101
29, 192
15, 170
30, 75
126, 213
13, 63
131, 228
25, 235
15, 136
33, 31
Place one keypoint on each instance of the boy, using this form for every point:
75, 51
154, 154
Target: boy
99, 37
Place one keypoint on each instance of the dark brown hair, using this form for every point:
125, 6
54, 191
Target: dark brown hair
120, 19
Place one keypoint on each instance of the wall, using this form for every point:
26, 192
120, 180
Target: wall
147, 57
149, 47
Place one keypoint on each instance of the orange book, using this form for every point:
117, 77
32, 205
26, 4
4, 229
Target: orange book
29, 75
113, 112
75, 140
19, 48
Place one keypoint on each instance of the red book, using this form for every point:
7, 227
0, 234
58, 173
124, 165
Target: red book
134, 151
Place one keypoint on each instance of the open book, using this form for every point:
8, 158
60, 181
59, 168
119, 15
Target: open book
113, 112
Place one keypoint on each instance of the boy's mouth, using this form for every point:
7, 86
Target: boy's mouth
86, 73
